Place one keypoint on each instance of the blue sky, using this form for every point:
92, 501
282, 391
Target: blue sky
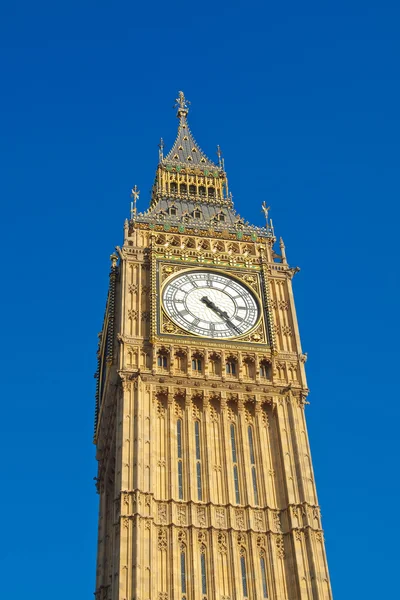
303, 99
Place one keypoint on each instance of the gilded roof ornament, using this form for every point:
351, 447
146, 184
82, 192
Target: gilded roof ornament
182, 105
265, 210
135, 195
185, 149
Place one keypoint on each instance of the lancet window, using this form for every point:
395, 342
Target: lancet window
231, 366
244, 576
215, 364
162, 361
197, 364
253, 464
265, 370
235, 464
183, 574
198, 460
264, 577
179, 456
203, 573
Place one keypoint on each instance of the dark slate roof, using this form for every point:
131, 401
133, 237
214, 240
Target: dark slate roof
160, 213
186, 148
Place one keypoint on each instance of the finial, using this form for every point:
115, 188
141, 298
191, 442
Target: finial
135, 195
283, 251
219, 154
182, 105
161, 149
114, 259
265, 210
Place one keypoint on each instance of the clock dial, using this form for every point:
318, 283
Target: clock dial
209, 304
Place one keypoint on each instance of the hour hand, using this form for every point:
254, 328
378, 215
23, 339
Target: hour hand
209, 303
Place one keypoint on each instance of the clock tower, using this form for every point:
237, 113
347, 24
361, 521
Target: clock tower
205, 477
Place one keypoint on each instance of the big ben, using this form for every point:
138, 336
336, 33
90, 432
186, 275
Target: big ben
205, 476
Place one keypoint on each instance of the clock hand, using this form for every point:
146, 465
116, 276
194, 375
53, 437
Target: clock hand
219, 312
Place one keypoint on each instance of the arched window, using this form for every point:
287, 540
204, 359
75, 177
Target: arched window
231, 366
248, 367
197, 214
215, 364
197, 364
264, 577
183, 572
198, 460
183, 188
192, 190
244, 575
162, 361
265, 370
202, 190
203, 573
253, 464
235, 464
211, 192
180, 360
172, 211
179, 456
173, 187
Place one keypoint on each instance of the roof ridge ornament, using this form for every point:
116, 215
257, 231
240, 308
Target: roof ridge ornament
182, 105
135, 195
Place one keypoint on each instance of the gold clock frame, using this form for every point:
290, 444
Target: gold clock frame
217, 271
256, 291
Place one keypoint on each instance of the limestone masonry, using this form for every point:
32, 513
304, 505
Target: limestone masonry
205, 475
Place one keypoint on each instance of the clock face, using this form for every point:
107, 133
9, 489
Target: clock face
209, 304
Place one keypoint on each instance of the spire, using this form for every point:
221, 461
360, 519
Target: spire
190, 191
182, 105
185, 150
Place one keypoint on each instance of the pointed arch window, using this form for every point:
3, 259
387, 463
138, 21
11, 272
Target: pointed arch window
264, 577
197, 363
253, 464
231, 367
235, 464
162, 361
244, 576
265, 369
173, 187
198, 460
183, 572
203, 573
179, 456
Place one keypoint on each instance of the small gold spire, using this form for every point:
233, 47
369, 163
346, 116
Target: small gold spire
135, 195
283, 250
265, 210
161, 149
219, 154
182, 105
